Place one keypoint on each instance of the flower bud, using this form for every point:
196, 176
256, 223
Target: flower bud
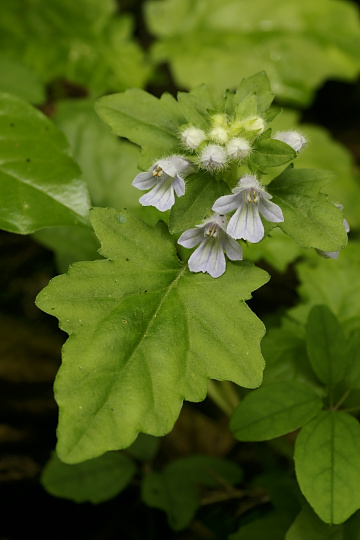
254, 123
192, 137
213, 157
296, 140
219, 120
238, 148
219, 135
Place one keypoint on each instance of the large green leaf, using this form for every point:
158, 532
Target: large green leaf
308, 217
274, 410
145, 333
95, 481
326, 345
40, 183
298, 44
177, 489
328, 466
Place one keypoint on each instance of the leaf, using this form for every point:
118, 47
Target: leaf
94, 46
308, 525
94, 481
41, 185
326, 345
272, 526
200, 195
144, 333
13, 75
308, 218
177, 489
259, 84
145, 120
271, 153
352, 374
195, 109
284, 350
335, 283
330, 480
298, 44
274, 410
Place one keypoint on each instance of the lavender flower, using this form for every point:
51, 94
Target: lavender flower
214, 241
165, 177
249, 199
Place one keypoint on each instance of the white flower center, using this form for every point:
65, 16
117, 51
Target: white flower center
158, 172
212, 230
252, 196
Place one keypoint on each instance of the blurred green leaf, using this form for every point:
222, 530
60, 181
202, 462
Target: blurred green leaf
94, 481
326, 345
327, 465
41, 185
298, 44
177, 489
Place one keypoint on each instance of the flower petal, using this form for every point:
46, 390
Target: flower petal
227, 203
270, 211
179, 186
161, 196
191, 237
246, 223
144, 180
208, 257
232, 248
173, 165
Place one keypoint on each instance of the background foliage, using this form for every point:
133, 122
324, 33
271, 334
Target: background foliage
281, 461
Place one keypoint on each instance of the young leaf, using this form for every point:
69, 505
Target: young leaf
271, 153
201, 193
274, 410
145, 120
327, 465
41, 185
195, 109
308, 218
272, 526
145, 334
94, 481
326, 345
176, 489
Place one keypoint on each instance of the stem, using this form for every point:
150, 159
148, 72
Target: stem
224, 395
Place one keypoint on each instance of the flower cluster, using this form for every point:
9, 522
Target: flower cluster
236, 216
227, 140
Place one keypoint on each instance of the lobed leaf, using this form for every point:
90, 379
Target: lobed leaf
145, 334
309, 218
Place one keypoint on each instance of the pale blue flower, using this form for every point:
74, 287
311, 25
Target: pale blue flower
249, 199
164, 178
214, 241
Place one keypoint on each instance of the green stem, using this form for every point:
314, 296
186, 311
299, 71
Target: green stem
224, 394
